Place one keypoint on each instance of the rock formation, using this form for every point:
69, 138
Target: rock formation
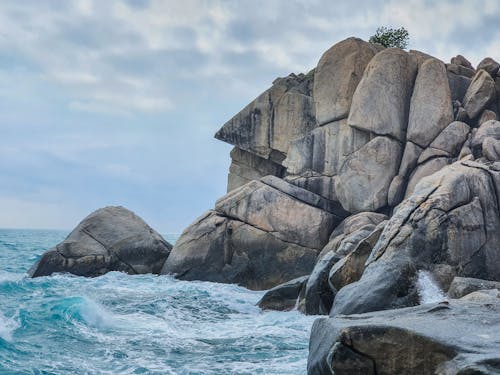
346, 185
109, 239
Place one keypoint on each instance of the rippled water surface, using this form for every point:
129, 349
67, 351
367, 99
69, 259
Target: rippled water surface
120, 324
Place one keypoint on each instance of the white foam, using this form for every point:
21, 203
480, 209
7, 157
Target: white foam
428, 290
7, 327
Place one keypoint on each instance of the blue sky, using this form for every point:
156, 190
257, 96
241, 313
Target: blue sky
116, 102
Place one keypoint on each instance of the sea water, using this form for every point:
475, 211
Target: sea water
146, 324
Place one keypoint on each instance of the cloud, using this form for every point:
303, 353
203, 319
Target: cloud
116, 101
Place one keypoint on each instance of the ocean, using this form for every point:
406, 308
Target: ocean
146, 324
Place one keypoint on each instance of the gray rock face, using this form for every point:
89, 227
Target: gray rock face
458, 85
461, 60
451, 218
491, 149
246, 167
350, 268
430, 109
337, 75
462, 286
455, 338
409, 159
490, 66
323, 151
292, 215
427, 168
382, 99
460, 70
219, 249
318, 295
480, 93
487, 115
351, 231
283, 297
109, 239
260, 235
267, 125
365, 177
489, 129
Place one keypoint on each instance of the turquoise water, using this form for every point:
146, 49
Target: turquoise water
120, 324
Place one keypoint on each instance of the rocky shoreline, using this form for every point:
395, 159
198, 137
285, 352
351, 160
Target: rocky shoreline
345, 184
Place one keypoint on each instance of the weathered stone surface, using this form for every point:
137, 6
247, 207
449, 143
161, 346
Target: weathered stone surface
409, 159
276, 117
448, 143
382, 99
396, 191
364, 179
461, 60
420, 57
220, 249
350, 268
430, 109
293, 117
318, 295
426, 169
109, 239
486, 130
487, 115
337, 75
460, 70
325, 149
458, 85
491, 149
480, 93
451, 218
315, 159
461, 286
490, 66
283, 297
454, 338
346, 236
292, 214
246, 167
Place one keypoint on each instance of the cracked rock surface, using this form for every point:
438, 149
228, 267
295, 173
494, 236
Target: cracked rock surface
452, 338
109, 239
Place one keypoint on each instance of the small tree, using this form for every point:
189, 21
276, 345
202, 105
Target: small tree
389, 37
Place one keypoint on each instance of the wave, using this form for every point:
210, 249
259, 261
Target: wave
8, 326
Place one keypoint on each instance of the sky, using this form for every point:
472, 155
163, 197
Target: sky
116, 102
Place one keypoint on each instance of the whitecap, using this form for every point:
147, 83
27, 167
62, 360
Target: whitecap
7, 327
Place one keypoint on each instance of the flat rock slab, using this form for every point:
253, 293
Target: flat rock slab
446, 339
109, 239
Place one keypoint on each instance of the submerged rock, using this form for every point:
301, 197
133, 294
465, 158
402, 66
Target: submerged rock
109, 239
452, 338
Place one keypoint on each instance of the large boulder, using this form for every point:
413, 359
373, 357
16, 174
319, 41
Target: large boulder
260, 235
284, 297
364, 179
480, 94
336, 77
266, 126
109, 239
451, 218
430, 109
381, 101
462, 286
490, 66
455, 338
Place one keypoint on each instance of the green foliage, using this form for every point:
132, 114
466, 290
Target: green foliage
389, 37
